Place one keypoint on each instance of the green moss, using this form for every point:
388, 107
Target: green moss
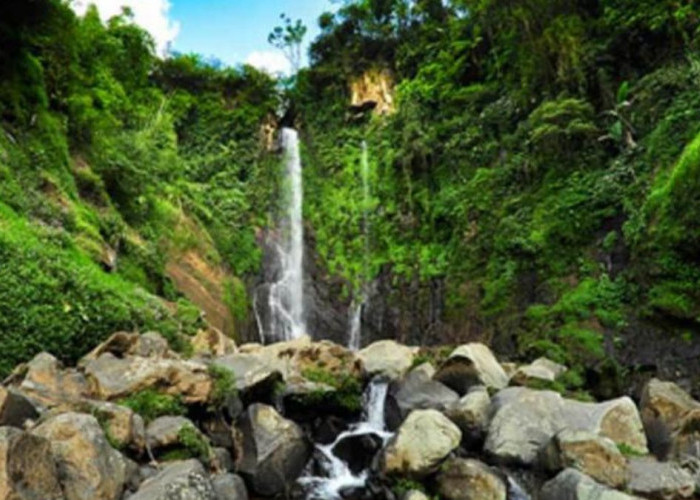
195, 443
151, 404
348, 389
223, 386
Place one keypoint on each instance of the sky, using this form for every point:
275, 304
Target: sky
233, 31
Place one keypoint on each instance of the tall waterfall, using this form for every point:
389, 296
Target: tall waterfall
286, 296
355, 315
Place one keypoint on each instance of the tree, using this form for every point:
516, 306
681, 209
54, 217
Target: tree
289, 38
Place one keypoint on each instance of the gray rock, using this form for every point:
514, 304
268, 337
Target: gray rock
571, 484
595, 456
418, 391
230, 487
387, 357
274, 450
463, 479
659, 480
27, 467
422, 442
415, 495
178, 481
89, 468
164, 432
471, 413
15, 408
524, 420
470, 365
541, 369
223, 459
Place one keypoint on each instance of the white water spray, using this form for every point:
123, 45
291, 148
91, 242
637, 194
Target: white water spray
355, 316
286, 298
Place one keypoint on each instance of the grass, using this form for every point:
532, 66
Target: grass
151, 404
348, 389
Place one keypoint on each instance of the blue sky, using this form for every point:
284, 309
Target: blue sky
233, 31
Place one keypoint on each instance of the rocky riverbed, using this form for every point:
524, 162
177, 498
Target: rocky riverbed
303, 419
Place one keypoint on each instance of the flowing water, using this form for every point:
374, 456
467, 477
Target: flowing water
355, 315
286, 296
337, 474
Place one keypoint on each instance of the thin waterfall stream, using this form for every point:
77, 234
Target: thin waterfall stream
286, 320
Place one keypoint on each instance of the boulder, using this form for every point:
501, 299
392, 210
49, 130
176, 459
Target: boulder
463, 479
420, 445
164, 432
415, 495
27, 467
358, 450
15, 408
274, 450
470, 365
122, 344
524, 421
112, 378
418, 391
572, 484
671, 419
212, 342
229, 487
471, 414
251, 371
387, 357
542, 369
178, 481
89, 468
124, 427
659, 480
46, 382
597, 457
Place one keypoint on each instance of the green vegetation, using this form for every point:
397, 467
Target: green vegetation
223, 386
348, 389
195, 443
151, 404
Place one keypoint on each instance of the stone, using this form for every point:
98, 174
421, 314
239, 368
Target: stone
597, 457
250, 370
671, 419
572, 484
274, 450
525, 420
358, 450
222, 459
15, 408
122, 425
415, 495
471, 414
46, 382
164, 432
185, 480
229, 487
122, 344
463, 479
387, 357
542, 369
212, 342
112, 378
89, 468
470, 365
423, 441
27, 467
659, 480
418, 391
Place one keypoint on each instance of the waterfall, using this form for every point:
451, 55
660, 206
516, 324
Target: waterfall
338, 476
286, 296
355, 316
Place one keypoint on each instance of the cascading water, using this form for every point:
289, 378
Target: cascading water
338, 475
286, 295
355, 316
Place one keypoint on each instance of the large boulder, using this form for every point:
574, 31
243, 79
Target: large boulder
418, 391
178, 481
122, 344
671, 419
15, 408
595, 456
212, 342
420, 445
27, 467
165, 432
387, 357
463, 479
124, 427
45, 381
112, 378
659, 480
274, 450
524, 420
470, 365
229, 487
572, 484
471, 414
89, 468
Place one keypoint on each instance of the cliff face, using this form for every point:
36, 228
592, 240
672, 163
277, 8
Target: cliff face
374, 89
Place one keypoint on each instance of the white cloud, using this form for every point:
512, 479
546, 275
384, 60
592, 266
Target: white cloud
152, 15
270, 61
